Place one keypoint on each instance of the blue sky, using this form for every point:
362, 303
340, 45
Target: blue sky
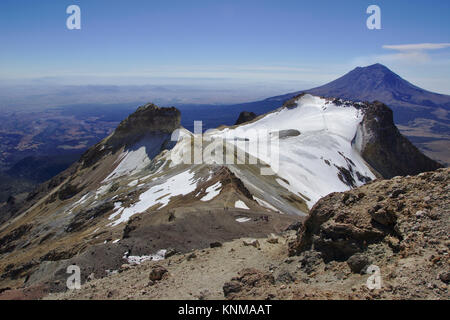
290, 44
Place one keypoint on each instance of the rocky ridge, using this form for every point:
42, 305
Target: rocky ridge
385, 148
411, 249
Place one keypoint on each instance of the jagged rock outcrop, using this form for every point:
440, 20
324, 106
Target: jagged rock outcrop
146, 119
385, 211
385, 149
248, 280
245, 116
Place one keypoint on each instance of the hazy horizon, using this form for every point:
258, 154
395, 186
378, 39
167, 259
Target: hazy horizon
208, 52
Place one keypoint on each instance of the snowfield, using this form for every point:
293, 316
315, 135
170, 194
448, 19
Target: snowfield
138, 157
309, 161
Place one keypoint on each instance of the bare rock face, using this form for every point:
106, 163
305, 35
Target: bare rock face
385, 149
397, 213
245, 116
158, 273
146, 119
249, 280
358, 262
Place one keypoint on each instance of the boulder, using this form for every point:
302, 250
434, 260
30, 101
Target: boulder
247, 280
358, 262
215, 244
158, 273
252, 242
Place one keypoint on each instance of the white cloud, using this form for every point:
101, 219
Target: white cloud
405, 57
406, 54
402, 58
422, 63
417, 46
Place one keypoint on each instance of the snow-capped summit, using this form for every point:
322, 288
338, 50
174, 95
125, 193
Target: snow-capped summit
316, 153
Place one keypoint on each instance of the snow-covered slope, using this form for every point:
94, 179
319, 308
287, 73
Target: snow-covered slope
312, 153
315, 143
139, 156
310, 147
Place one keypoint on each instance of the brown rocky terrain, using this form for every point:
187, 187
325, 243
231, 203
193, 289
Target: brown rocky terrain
400, 225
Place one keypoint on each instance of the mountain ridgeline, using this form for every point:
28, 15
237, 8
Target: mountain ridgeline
422, 116
377, 82
128, 200
386, 149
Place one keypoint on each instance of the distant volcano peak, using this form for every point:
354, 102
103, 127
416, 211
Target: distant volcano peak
375, 72
376, 66
374, 82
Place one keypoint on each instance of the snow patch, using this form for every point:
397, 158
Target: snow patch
180, 184
212, 191
265, 204
82, 200
102, 190
160, 255
139, 156
133, 183
117, 210
241, 205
